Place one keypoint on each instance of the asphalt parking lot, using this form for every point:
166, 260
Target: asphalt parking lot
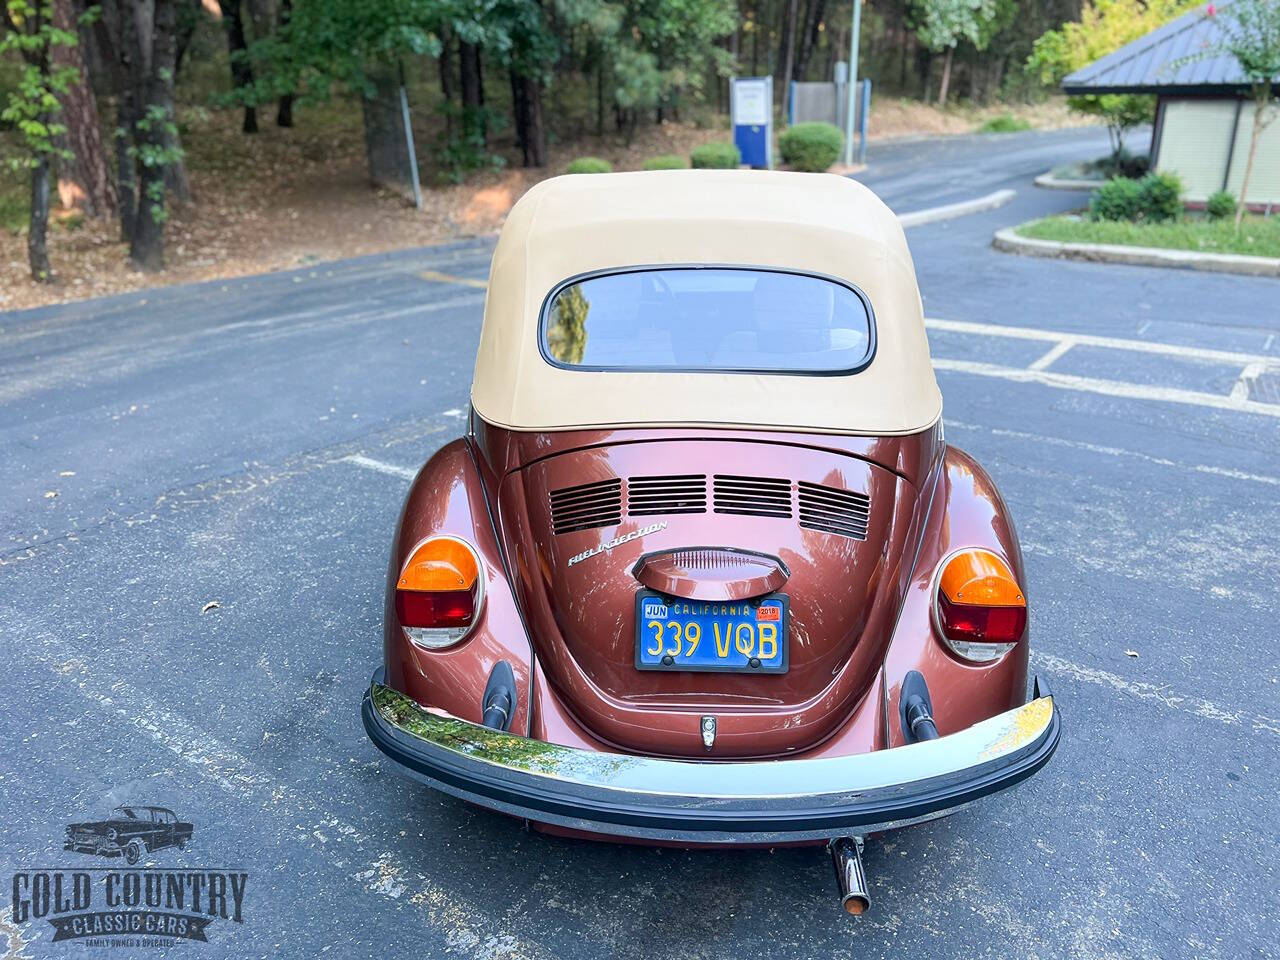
248, 443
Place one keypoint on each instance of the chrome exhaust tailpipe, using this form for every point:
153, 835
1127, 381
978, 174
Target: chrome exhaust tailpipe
851, 881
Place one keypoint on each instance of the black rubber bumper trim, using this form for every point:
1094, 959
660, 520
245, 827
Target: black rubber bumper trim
561, 799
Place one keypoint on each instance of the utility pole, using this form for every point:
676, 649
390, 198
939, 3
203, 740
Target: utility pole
853, 82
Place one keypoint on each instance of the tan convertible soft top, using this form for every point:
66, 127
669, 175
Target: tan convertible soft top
817, 223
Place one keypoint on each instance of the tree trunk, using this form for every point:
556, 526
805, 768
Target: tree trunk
600, 94
284, 110
473, 125
755, 39
946, 77
84, 181
146, 249
526, 102
445, 63
241, 71
787, 53
1261, 97
814, 10
38, 227
188, 19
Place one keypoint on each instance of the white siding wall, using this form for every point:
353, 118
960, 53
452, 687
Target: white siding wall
1264, 185
1195, 141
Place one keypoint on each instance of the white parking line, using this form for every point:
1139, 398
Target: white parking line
1040, 438
1232, 357
445, 909
360, 460
1056, 351
1159, 693
1109, 388
1240, 389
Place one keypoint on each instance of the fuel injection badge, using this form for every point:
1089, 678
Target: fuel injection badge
617, 542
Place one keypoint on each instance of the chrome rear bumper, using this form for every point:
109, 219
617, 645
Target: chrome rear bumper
727, 802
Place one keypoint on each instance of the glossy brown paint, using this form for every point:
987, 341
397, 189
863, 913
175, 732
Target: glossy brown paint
925, 505
844, 595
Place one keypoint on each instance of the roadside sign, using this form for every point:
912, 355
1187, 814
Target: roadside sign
751, 106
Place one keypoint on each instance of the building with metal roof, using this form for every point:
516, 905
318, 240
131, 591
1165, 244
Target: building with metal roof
1204, 111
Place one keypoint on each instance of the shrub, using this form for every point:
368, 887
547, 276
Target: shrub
1118, 199
589, 165
715, 156
1005, 123
1160, 196
668, 161
811, 147
1133, 165
1221, 205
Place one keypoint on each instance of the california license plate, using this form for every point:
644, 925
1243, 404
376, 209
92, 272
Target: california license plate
743, 636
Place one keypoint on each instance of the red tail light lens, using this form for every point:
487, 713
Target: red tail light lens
440, 591
980, 610
960, 621
446, 608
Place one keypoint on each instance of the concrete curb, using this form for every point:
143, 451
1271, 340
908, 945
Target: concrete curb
1050, 182
949, 211
1010, 242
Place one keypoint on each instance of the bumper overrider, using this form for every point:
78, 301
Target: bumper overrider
731, 802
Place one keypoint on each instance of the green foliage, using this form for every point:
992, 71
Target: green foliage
811, 147
1250, 31
1160, 196
1258, 236
1118, 199
567, 325
32, 105
589, 165
1104, 27
1005, 123
947, 22
160, 150
1155, 198
715, 156
14, 212
666, 161
1220, 205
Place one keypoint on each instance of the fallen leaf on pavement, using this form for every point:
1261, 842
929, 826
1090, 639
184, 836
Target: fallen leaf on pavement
211, 605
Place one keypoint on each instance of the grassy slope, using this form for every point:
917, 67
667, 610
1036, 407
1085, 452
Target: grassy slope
1258, 236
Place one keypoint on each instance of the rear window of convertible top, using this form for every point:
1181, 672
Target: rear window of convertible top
726, 319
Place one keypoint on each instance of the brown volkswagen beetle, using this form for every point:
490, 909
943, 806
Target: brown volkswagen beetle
703, 569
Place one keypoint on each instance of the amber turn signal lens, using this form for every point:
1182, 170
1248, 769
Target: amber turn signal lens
439, 592
441, 563
980, 609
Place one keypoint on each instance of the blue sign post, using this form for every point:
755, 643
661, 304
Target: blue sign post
751, 106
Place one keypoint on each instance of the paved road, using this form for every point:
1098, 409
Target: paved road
163, 450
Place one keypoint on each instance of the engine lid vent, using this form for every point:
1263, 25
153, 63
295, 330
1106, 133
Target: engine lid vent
832, 510
753, 496
586, 505
686, 493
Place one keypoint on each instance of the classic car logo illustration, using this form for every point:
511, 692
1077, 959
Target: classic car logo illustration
124, 906
129, 832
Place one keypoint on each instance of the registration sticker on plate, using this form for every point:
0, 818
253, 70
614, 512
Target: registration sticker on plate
741, 636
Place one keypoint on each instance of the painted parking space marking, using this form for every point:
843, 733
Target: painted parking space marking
1109, 388
435, 276
381, 466
1251, 366
446, 910
1094, 340
1103, 449
1159, 693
